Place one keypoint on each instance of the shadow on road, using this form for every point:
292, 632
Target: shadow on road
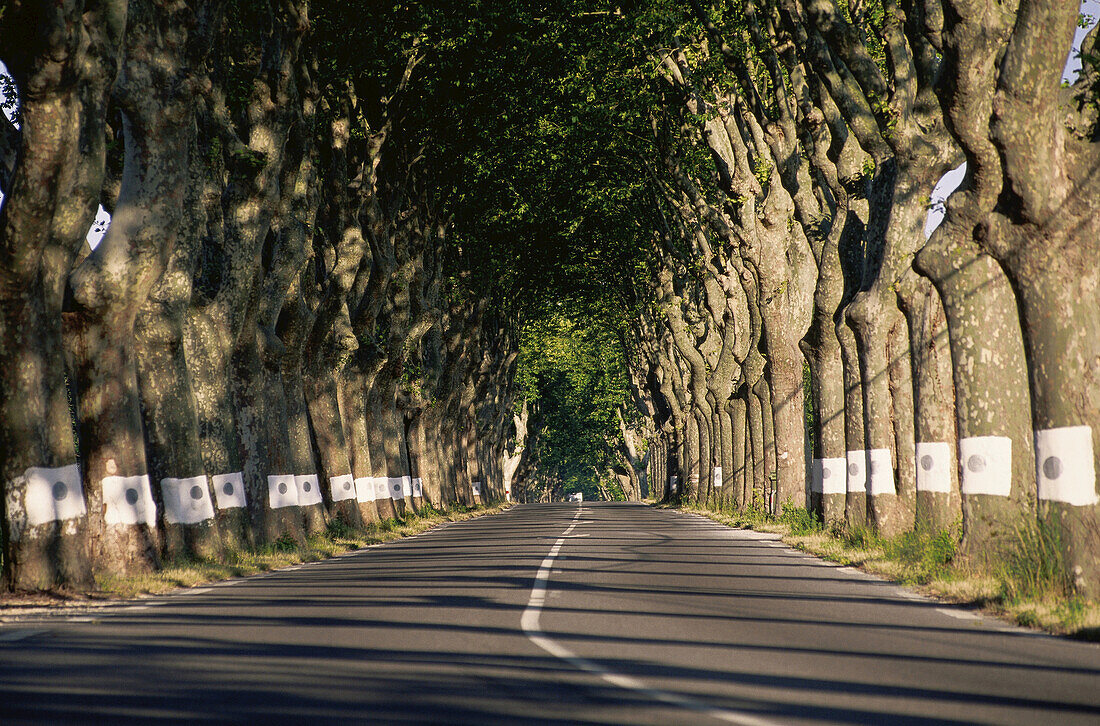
427, 631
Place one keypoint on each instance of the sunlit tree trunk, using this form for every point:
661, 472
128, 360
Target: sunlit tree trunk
996, 448
1045, 232
855, 500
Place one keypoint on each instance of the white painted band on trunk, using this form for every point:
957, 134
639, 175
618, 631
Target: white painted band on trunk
342, 487
673, 483
381, 488
1064, 458
229, 490
830, 476
395, 486
129, 500
53, 494
717, 477
364, 489
476, 487
407, 486
186, 501
934, 462
881, 480
856, 462
418, 487
986, 463
281, 491
309, 491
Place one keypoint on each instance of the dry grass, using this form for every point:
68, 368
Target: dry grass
833, 549
930, 565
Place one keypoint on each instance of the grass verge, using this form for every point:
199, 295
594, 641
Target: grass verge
1029, 585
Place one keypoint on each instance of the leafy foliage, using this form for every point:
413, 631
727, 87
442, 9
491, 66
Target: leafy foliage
533, 142
574, 380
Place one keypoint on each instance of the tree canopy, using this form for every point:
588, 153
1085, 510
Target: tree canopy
636, 249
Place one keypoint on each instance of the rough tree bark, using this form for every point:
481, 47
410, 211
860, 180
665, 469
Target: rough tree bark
63, 57
1045, 231
176, 468
155, 92
234, 360
996, 450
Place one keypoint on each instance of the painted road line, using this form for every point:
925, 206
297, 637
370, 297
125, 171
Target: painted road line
533, 629
911, 596
959, 614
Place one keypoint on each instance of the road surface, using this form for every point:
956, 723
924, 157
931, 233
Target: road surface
551, 614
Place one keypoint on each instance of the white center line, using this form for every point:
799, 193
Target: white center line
533, 629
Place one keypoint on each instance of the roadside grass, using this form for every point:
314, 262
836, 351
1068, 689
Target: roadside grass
1029, 583
338, 538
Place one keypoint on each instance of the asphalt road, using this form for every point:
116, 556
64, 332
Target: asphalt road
597, 614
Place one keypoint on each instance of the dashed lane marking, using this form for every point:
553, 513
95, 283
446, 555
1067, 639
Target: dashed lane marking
533, 629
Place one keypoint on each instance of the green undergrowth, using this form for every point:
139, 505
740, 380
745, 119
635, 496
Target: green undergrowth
338, 537
1027, 582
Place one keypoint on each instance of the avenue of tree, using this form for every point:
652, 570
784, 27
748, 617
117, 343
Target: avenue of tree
366, 255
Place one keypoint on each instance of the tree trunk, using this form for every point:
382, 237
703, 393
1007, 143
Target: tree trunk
273, 487
172, 436
874, 322
327, 424
376, 424
1046, 233
822, 351
724, 476
64, 77
740, 456
155, 93
172, 440
938, 502
1059, 286
353, 407
425, 488
995, 446
901, 393
397, 465
996, 450
855, 474
789, 424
